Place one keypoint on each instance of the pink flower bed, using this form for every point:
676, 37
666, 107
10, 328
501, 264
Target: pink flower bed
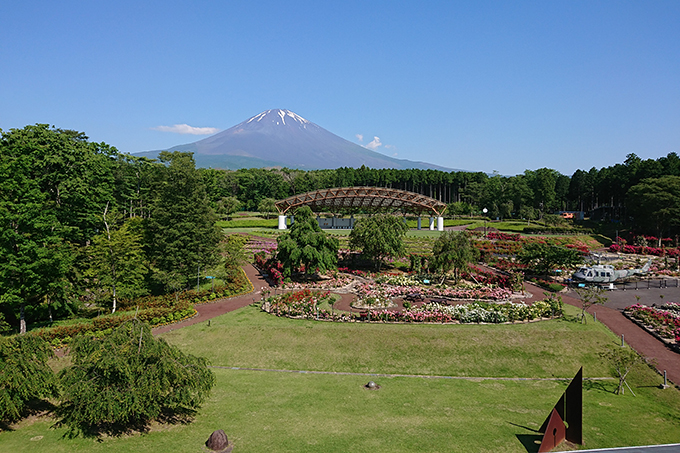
639, 250
665, 322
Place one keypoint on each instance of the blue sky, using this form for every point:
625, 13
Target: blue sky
480, 85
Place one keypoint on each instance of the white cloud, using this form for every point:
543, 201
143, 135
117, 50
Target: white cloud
374, 144
186, 129
390, 146
360, 137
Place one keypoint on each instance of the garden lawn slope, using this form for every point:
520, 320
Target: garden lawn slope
279, 411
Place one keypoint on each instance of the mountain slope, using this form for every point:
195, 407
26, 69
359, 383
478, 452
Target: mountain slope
283, 138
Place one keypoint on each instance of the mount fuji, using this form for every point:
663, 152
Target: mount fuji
281, 138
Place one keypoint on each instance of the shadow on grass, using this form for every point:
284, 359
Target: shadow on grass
531, 442
589, 385
32, 408
175, 416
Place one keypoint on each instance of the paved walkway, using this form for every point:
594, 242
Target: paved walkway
638, 338
213, 309
610, 315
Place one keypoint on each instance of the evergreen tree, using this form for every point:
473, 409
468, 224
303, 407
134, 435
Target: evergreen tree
24, 374
182, 235
305, 244
128, 379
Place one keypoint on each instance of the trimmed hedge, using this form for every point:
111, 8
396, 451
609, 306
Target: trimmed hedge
556, 230
154, 310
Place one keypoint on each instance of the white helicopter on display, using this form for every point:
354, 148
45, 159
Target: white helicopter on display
604, 273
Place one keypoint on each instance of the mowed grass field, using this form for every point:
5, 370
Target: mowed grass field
267, 411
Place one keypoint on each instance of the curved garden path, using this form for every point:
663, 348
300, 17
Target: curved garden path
213, 309
635, 336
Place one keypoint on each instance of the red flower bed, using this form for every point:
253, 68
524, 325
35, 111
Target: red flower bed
504, 236
270, 266
665, 323
639, 250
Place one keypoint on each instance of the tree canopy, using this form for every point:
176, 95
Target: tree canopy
24, 374
655, 203
305, 244
453, 251
128, 379
545, 258
379, 237
181, 233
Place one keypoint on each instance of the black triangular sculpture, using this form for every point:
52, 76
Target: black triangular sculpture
570, 409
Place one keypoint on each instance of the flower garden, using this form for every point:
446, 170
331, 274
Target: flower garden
663, 320
305, 304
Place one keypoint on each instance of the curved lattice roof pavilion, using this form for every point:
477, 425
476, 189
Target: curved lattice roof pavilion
363, 197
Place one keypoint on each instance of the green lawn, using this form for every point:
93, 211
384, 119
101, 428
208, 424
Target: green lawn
258, 340
278, 411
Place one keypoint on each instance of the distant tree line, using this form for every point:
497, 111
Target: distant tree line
81, 221
529, 194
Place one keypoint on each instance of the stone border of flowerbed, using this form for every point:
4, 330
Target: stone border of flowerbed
672, 344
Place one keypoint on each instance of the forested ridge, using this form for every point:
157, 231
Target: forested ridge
80, 220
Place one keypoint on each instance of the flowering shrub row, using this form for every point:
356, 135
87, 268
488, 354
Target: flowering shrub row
475, 312
103, 325
155, 310
380, 295
640, 250
357, 272
399, 280
305, 304
238, 285
270, 266
301, 304
336, 281
664, 321
491, 278
504, 236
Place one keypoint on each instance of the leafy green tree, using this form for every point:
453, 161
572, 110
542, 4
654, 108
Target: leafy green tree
181, 233
453, 251
655, 203
544, 258
53, 184
233, 252
226, 206
305, 244
379, 237
555, 220
128, 379
527, 212
34, 258
117, 261
24, 374
267, 206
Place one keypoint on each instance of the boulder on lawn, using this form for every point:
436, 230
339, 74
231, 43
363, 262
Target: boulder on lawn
218, 442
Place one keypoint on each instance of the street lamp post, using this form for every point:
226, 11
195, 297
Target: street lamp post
485, 211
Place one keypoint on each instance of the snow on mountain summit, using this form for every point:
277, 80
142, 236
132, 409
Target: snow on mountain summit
277, 116
283, 138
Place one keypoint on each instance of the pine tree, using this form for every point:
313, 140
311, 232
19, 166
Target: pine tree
24, 374
128, 379
305, 244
